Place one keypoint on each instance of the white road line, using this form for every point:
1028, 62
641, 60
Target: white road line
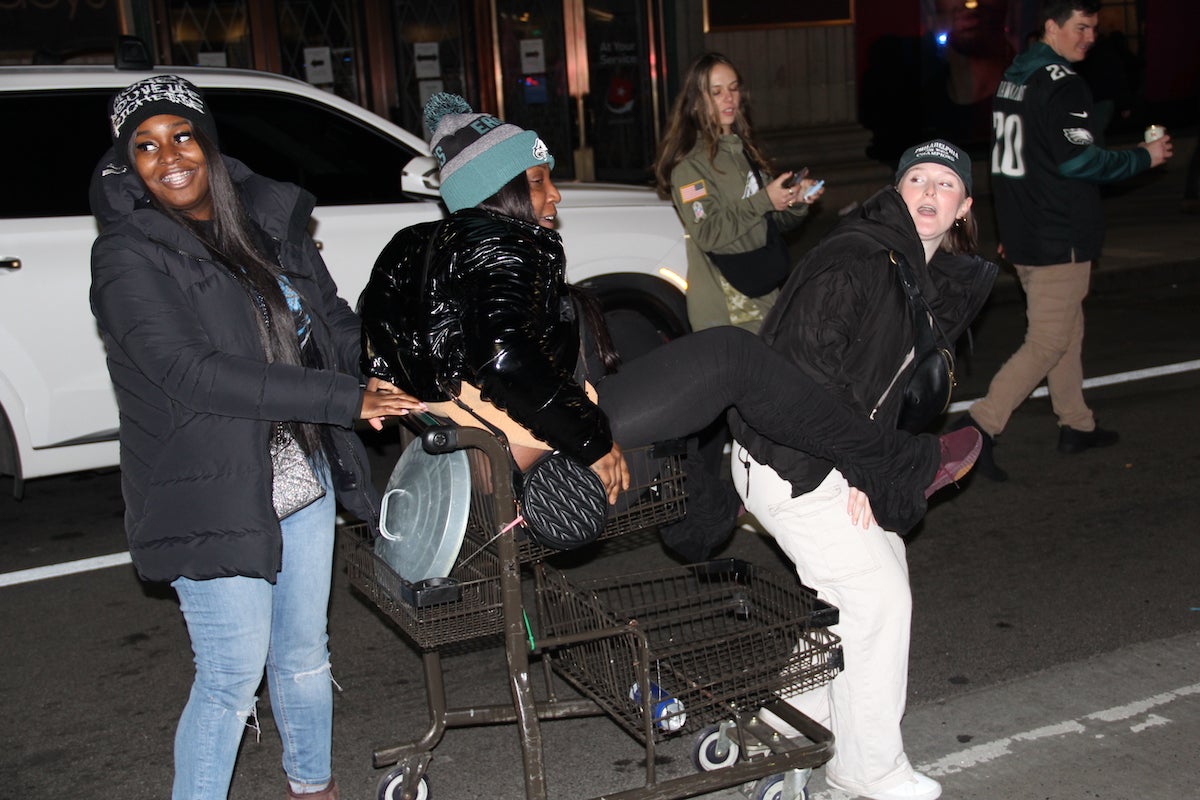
66, 568
1106, 380
117, 559
990, 751
1133, 717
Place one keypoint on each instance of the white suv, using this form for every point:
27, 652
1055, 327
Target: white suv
371, 178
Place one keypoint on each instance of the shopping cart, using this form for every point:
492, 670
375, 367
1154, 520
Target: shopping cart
706, 645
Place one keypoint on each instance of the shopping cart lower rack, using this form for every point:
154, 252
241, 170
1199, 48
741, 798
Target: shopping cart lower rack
697, 648
717, 638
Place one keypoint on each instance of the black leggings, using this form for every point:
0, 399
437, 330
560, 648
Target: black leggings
679, 388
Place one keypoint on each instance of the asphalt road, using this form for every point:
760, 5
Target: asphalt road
1055, 636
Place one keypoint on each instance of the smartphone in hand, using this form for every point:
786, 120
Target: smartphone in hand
816, 187
797, 176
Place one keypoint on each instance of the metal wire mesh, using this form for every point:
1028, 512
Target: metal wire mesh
468, 604
433, 613
718, 636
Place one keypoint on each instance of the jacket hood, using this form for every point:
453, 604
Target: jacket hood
117, 194
884, 218
1029, 62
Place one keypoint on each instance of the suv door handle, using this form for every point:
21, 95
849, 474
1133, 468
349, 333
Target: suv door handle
10, 263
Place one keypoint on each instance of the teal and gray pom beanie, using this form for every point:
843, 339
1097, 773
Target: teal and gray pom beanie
477, 153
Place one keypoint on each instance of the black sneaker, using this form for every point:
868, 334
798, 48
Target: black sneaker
986, 463
1072, 441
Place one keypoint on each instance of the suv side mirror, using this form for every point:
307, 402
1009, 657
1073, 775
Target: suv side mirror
420, 177
132, 53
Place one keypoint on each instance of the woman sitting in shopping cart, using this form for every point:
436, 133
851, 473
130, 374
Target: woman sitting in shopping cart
473, 315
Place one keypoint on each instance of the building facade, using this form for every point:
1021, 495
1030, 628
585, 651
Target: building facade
835, 80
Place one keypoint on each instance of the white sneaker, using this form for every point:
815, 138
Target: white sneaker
918, 787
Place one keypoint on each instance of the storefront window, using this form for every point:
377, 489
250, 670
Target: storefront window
620, 97
209, 34
317, 43
430, 56
534, 75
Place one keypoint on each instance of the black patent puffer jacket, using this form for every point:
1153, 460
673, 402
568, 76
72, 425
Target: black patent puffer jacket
482, 297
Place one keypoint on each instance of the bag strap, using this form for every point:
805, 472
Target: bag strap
916, 300
499, 434
754, 167
924, 322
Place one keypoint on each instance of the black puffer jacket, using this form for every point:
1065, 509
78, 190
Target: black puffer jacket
195, 392
844, 319
485, 302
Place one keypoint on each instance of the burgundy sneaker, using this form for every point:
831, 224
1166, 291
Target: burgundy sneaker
960, 448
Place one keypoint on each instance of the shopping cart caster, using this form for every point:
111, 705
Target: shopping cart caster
712, 749
783, 786
391, 786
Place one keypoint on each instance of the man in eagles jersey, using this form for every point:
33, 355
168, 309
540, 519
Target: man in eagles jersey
1046, 176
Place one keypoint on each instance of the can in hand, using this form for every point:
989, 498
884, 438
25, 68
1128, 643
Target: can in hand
667, 711
1154, 133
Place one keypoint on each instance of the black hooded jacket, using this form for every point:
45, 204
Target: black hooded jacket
844, 319
196, 394
482, 298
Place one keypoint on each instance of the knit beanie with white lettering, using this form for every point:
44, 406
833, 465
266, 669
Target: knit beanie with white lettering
162, 94
477, 153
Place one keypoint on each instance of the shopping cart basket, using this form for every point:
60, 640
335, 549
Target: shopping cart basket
726, 636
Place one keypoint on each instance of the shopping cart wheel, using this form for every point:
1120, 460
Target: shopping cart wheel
712, 748
391, 786
776, 787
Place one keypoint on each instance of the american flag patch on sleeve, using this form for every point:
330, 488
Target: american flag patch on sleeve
692, 192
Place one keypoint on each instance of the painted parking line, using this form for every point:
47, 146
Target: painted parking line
1106, 722
1105, 380
66, 568
73, 567
118, 559
1132, 718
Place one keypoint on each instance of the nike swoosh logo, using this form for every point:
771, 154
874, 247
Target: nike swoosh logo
1080, 114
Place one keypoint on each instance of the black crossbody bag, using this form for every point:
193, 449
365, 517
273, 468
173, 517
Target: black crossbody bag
929, 388
760, 271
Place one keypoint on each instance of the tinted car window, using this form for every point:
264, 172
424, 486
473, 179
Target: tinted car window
334, 156
53, 140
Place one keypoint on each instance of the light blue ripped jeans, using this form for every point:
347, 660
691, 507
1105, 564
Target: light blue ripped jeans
238, 627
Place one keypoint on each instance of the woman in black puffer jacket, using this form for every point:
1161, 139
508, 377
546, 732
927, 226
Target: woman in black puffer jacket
221, 323
477, 308
845, 319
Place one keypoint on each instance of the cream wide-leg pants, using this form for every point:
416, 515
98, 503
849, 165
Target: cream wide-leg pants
865, 574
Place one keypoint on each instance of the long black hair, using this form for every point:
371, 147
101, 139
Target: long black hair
233, 239
512, 200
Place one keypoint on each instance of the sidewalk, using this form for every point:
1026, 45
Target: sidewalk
1120, 726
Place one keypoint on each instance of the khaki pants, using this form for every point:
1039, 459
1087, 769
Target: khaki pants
1053, 349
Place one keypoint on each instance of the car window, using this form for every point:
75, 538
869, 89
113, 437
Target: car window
51, 142
338, 158
60, 136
